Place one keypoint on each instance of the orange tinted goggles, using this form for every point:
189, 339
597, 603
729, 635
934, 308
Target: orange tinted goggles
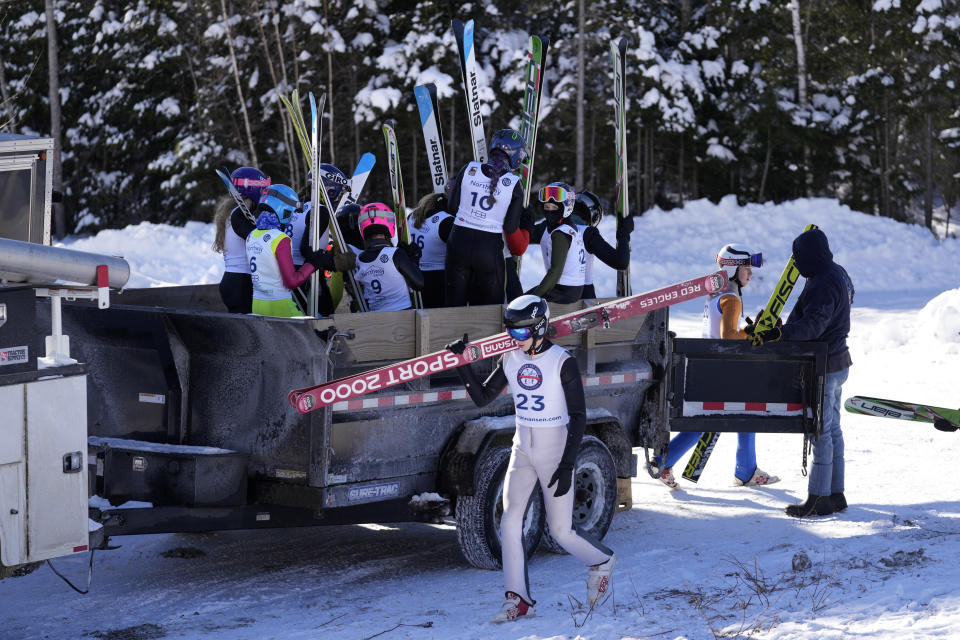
555, 193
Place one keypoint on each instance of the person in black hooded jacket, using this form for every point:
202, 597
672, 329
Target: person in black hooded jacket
822, 313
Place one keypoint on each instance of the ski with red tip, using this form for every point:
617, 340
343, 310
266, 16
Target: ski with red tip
602, 315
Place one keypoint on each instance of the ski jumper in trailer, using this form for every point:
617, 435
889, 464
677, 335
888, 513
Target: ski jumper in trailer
486, 201
269, 252
384, 272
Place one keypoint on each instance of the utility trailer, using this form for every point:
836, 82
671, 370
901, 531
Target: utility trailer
182, 422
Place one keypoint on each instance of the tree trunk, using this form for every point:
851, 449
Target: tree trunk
766, 169
236, 77
288, 141
680, 169
326, 26
802, 89
53, 86
580, 82
928, 171
11, 123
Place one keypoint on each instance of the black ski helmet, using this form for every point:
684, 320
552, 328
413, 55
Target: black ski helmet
511, 143
588, 208
528, 311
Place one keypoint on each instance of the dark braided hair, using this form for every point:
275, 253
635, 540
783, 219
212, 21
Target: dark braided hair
499, 162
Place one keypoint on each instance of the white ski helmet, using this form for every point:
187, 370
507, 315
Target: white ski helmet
732, 256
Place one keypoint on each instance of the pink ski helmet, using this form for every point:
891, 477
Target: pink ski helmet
377, 213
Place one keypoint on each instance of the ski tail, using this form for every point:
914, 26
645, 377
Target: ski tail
237, 198
429, 109
396, 186
396, 178
943, 419
701, 453
319, 194
767, 318
530, 118
463, 32
618, 51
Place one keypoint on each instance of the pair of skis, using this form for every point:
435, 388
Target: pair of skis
766, 319
943, 419
396, 187
310, 144
601, 315
532, 93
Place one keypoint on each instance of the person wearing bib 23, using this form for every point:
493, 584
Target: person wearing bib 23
551, 418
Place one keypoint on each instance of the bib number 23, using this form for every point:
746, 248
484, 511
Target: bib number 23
536, 402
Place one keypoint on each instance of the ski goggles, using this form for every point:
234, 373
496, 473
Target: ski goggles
755, 260
520, 333
555, 193
296, 205
249, 182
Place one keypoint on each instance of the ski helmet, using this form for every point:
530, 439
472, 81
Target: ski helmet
527, 316
511, 143
588, 207
376, 214
281, 200
733, 256
562, 194
335, 182
347, 219
250, 182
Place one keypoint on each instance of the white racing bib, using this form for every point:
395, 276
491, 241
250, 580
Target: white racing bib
575, 267
477, 210
384, 288
427, 237
535, 384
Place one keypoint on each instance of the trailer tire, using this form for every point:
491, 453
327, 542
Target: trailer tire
478, 516
595, 492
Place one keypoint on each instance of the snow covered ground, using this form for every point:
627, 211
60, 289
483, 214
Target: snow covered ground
710, 561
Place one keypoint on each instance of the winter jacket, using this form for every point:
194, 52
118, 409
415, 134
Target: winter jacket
822, 311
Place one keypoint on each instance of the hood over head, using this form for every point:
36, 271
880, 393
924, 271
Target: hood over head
811, 252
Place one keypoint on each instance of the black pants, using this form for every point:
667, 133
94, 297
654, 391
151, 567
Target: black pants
514, 288
236, 291
433, 293
588, 293
474, 267
324, 299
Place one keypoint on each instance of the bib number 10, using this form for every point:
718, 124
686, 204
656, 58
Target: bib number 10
484, 202
536, 402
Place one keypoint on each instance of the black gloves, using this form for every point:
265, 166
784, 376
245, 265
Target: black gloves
411, 250
942, 424
344, 261
761, 337
458, 346
317, 258
751, 326
624, 226
562, 477
527, 220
